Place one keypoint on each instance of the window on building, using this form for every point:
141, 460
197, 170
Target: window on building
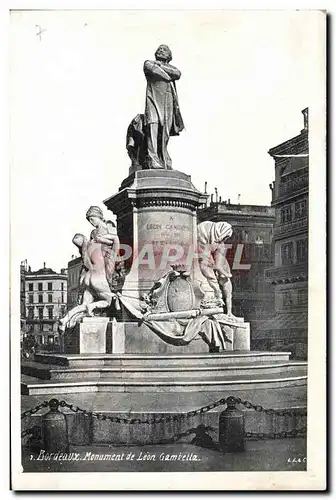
258, 282
258, 250
237, 310
31, 299
287, 300
237, 282
31, 287
302, 297
30, 312
267, 251
245, 282
286, 214
49, 287
301, 208
40, 312
50, 297
63, 311
40, 287
287, 253
62, 298
40, 299
62, 286
50, 312
41, 328
302, 250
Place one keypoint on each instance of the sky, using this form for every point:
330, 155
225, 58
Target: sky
76, 81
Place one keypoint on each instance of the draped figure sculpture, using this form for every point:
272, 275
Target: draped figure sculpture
149, 132
99, 254
212, 259
162, 113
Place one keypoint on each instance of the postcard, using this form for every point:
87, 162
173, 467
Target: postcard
167, 249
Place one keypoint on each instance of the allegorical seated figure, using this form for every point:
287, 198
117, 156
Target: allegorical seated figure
211, 237
162, 114
99, 255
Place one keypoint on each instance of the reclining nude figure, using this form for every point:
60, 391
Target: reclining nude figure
99, 255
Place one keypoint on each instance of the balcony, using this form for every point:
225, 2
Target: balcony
42, 320
296, 226
287, 274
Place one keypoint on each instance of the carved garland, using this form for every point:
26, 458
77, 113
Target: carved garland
168, 202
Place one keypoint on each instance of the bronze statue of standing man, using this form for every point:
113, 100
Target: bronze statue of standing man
162, 115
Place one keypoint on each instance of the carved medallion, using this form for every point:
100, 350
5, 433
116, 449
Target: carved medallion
180, 295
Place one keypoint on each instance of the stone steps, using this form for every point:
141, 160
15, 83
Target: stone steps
225, 358
57, 372
151, 398
182, 373
33, 386
172, 402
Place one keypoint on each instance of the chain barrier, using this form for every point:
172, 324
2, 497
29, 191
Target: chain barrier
269, 411
27, 432
154, 420
30, 412
182, 416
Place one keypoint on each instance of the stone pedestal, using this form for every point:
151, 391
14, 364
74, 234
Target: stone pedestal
155, 209
242, 337
157, 227
103, 335
95, 336
132, 338
115, 338
141, 339
88, 337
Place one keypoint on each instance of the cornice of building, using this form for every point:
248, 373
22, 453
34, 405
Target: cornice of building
216, 209
48, 277
74, 262
290, 144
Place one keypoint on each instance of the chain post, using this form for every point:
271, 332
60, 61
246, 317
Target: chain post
231, 428
55, 429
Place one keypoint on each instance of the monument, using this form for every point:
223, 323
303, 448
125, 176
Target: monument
156, 314
177, 278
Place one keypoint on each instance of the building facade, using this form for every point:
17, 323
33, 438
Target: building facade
45, 301
23, 270
74, 290
289, 273
251, 254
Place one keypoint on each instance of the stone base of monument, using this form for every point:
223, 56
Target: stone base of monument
125, 369
93, 336
148, 386
83, 430
102, 335
141, 339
